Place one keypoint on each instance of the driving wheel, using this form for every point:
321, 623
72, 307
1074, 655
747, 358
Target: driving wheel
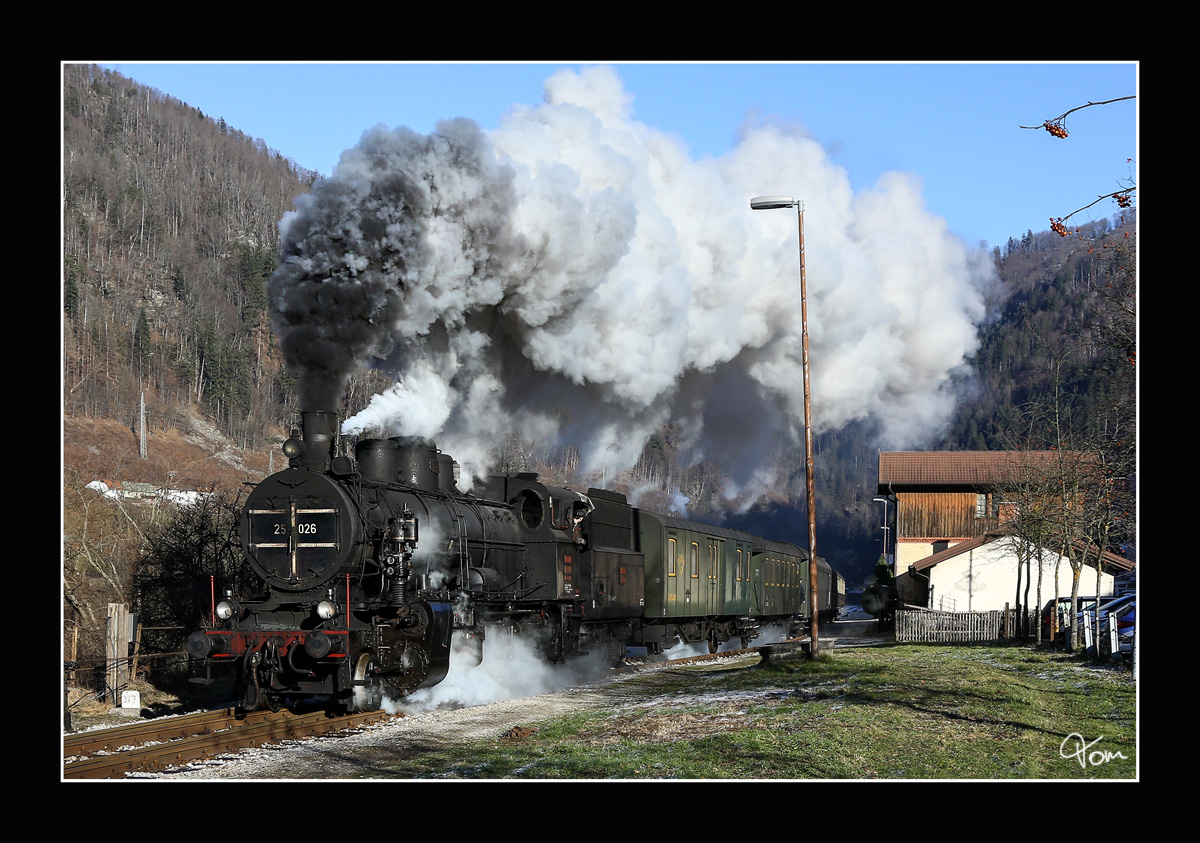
368, 696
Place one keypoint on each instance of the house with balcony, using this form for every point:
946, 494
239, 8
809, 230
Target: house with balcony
946, 537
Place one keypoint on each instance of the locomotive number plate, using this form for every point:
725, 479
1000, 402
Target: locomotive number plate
285, 540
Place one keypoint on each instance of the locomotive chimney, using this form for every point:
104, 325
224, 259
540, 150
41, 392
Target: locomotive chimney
315, 451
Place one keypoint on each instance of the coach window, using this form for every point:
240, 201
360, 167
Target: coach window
737, 571
672, 549
695, 560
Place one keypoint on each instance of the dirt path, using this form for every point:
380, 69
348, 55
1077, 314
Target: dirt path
370, 752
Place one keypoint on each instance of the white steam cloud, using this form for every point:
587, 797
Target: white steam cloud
513, 667
577, 275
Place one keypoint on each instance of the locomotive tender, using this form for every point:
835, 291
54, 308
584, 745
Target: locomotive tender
371, 564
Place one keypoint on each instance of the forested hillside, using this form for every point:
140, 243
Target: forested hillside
169, 235
1066, 321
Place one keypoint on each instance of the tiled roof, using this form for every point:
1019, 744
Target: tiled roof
942, 468
952, 551
1111, 560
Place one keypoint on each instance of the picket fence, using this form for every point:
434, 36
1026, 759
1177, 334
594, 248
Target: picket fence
928, 626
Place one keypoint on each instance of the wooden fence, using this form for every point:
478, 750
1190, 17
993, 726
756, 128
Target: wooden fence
931, 626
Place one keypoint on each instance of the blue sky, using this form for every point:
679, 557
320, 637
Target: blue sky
955, 126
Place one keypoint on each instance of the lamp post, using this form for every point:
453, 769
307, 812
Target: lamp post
765, 203
886, 558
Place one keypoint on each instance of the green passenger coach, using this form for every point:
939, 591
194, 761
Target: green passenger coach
712, 584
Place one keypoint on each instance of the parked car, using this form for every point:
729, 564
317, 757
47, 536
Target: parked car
1062, 607
1100, 616
1126, 620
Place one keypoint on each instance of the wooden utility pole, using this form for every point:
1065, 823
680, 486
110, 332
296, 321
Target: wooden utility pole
808, 446
764, 203
72, 651
116, 652
142, 428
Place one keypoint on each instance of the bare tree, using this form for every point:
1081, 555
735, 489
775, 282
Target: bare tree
183, 559
1026, 518
102, 538
1062, 486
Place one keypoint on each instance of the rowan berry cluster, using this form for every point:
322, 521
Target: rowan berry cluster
1056, 225
1055, 129
1123, 200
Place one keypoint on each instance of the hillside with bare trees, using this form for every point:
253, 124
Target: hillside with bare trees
169, 233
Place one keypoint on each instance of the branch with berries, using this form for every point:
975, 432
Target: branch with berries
1123, 198
1057, 126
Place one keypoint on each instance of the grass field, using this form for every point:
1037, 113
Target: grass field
885, 712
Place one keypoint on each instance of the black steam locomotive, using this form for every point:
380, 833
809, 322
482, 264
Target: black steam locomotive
370, 564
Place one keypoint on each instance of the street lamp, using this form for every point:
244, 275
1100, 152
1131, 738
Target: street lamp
766, 203
884, 501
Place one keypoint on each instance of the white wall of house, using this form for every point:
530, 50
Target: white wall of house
909, 552
985, 578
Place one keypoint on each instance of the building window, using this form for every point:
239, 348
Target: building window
984, 507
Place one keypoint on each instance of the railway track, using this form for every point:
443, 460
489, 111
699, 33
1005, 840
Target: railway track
163, 743
174, 741
167, 742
